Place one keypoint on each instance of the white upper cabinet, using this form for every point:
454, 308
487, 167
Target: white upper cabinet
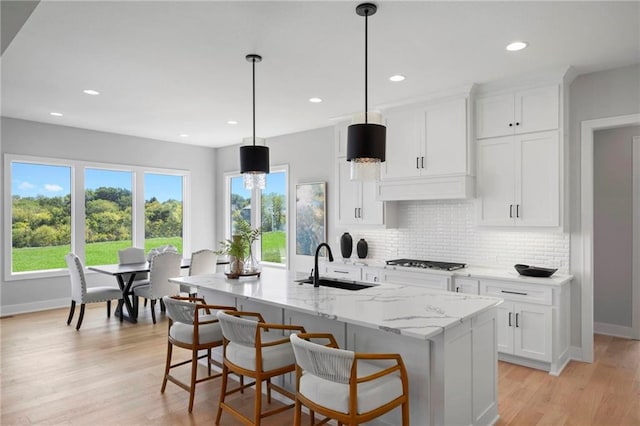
357, 204
519, 180
340, 138
523, 111
427, 140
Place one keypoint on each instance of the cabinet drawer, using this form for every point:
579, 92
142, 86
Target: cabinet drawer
343, 271
418, 279
517, 292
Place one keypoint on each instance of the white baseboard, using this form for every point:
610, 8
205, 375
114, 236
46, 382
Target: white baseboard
613, 330
575, 353
43, 305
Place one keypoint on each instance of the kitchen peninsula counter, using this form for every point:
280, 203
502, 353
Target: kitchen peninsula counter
446, 339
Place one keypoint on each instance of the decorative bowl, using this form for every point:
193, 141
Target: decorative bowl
534, 271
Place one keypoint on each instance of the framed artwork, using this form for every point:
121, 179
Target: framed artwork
311, 217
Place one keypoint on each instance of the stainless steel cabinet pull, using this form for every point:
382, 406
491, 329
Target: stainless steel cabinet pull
422, 162
340, 272
457, 289
360, 212
417, 159
511, 210
513, 292
517, 320
355, 212
510, 319
517, 210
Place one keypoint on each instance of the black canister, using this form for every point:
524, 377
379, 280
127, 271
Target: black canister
362, 248
346, 245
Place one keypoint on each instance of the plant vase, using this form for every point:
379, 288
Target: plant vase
251, 263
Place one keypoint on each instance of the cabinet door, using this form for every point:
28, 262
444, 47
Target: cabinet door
496, 186
533, 331
494, 116
418, 279
537, 179
445, 145
505, 323
336, 270
537, 109
370, 275
340, 138
466, 285
405, 135
349, 197
371, 211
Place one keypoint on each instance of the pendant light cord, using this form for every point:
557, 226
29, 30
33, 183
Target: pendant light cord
366, 61
253, 64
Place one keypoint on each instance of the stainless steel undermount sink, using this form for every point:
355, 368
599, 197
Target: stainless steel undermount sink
335, 283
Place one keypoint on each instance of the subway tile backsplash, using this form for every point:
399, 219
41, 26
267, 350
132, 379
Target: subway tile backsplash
446, 231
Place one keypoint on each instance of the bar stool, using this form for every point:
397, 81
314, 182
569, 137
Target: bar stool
340, 385
258, 350
192, 327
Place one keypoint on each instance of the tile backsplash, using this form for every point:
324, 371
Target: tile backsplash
446, 231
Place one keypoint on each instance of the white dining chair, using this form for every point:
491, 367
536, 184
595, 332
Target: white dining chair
346, 386
129, 256
202, 262
163, 266
82, 294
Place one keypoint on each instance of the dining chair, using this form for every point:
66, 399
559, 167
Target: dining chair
163, 266
82, 294
346, 386
202, 262
258, 350
192, 326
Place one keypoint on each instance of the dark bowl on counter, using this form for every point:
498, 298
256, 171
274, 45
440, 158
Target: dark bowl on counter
534, 271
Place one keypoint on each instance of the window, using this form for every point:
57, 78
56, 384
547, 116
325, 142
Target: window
40, 216
108, 215
266, 208
93, 209
163, 223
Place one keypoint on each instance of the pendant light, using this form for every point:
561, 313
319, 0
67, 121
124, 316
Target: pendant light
366, 141
254, 159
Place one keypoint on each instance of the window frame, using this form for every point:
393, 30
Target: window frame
256, 213
78, 217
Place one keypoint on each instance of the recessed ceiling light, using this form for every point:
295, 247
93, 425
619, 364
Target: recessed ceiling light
315, 100
184, 135
56, 114
232, 122
91, 92
516, 45
396, 77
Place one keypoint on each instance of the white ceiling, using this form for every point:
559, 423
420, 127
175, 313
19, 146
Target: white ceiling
167, 68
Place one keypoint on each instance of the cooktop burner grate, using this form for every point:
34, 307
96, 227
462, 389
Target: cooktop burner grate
426, 264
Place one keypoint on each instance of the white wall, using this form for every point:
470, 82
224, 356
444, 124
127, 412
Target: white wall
613, 225
45, 140
602, 94
309, 156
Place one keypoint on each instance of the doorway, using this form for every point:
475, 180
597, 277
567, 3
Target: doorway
585, 268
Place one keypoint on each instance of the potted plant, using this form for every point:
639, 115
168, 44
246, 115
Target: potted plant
238, 248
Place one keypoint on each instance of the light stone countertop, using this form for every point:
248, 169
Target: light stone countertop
406, 310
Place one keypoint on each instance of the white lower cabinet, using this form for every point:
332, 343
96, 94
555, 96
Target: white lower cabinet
525, 330
341, 271
532, 323
466, 285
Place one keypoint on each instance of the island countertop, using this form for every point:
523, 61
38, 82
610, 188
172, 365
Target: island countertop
411, 311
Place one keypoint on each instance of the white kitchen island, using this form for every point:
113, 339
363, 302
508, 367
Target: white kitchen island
447, 340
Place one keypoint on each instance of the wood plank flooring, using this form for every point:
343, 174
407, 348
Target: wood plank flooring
110, 373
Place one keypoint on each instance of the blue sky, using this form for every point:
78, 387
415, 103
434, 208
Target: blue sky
30, 180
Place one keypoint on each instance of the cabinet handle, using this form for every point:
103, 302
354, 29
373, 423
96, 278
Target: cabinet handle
511, 210
355, 212
510, 319
513, 292
517, 210
417, 160
510, 124
375, 279
517, 123
360, 212
422, 162
457, 289
517, 320
340, 272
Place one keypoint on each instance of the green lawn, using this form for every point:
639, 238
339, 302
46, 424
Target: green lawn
41, 258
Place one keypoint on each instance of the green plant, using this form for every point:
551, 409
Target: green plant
240, 244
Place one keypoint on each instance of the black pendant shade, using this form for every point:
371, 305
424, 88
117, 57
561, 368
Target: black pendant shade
366, 140
254, 159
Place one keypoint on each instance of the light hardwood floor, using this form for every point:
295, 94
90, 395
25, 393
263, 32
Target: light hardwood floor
108, 374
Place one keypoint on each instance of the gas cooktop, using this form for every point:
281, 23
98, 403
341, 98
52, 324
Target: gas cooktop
426, 264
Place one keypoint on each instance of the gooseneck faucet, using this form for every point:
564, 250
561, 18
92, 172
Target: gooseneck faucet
316, 275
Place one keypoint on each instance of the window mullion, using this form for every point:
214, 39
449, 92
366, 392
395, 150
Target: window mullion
78, 214
138, 219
